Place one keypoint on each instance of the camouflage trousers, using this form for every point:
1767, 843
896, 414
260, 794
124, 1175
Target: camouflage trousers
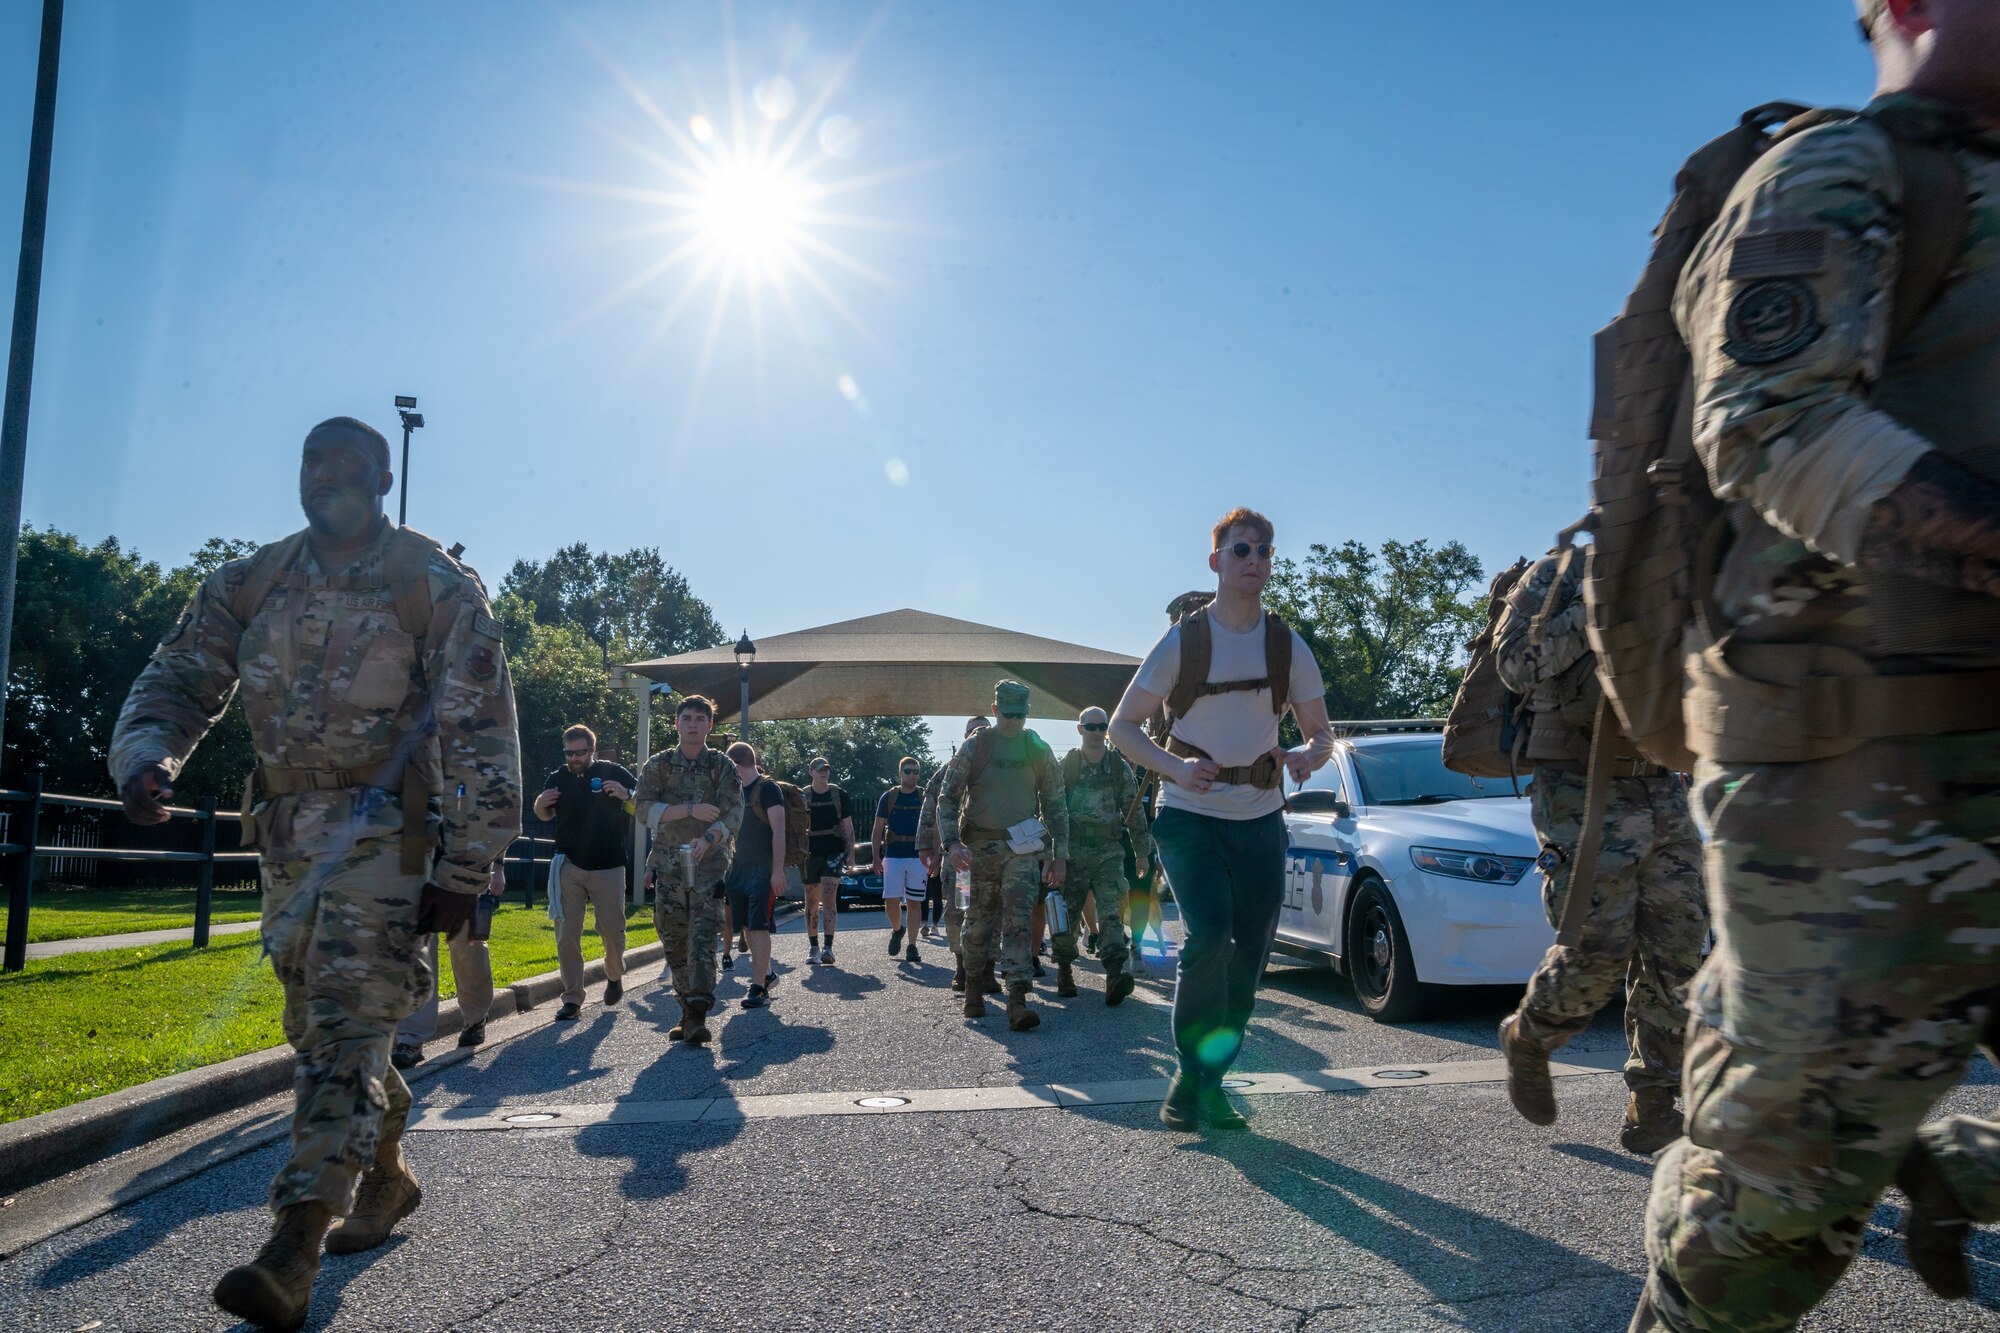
1097, 875
1005, 889
1856, 968
688, 919
341, 933
1644, 928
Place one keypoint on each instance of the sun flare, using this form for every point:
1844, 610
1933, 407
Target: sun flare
752, 214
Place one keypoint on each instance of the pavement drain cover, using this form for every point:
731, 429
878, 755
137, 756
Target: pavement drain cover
531, 1118
882, 1103
1236, 1083
1402, 1073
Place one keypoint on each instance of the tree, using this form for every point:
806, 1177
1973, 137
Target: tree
86, 621
628, 605
861, 752
1388, 628
559, 680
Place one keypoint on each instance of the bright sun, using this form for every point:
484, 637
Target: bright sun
752, 214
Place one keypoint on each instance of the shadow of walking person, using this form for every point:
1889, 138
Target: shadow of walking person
1462, 1258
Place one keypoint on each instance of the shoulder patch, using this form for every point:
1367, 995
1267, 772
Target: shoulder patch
486, 625
1770, 321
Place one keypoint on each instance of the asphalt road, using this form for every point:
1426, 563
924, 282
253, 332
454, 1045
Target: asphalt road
734, 1198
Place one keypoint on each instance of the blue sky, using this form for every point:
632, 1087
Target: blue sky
1103, 271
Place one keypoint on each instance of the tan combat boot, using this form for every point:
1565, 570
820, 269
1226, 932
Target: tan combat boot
1065, 980
1019, 1016
274, 1290
694, 1021
975, 994
1528, 1084
988, 983
389, 1193
1935, 1226
1651, 1122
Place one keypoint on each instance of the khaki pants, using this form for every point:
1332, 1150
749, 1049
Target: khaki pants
471, 969
605, 890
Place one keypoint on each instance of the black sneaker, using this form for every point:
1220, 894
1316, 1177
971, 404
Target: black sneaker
895, 941
407, 1055
729, 962
910, 954
770, 978
568, 1013
614, 991
473, 1035
755, 999
1039, 970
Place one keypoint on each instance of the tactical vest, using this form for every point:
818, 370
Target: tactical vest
1000, 793
414, 766
1080, 784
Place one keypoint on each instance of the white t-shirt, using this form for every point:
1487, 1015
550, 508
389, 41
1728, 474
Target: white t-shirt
1235, 727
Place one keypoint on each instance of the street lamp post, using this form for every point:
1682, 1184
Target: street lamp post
746, 653
412, 420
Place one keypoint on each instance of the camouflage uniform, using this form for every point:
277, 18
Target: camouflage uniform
1022, 780
928, 841
331, 681
1101, 808
1647, 918
1856, 889
687, 916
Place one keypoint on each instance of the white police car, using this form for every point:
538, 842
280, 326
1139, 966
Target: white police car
1407, 876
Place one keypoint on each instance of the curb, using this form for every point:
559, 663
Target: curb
42, 1147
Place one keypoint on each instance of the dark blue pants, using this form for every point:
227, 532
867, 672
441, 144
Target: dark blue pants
1228, 877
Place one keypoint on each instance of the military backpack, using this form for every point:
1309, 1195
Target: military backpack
1191, 685
798, 820
1657, 530
1483, 730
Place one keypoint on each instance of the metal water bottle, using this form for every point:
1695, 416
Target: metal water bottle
1058, 913
687, 864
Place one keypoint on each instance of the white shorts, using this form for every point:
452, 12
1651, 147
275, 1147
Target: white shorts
903, 877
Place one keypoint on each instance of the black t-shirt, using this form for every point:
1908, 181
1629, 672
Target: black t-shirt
753, 835
592, 830
828, 809
904, 810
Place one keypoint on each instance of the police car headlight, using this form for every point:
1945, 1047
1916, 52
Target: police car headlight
1482, 866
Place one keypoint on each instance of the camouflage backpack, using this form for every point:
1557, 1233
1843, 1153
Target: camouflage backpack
1483, 728
798, 820
1658, 531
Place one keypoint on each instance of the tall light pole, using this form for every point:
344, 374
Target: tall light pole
412, 420
746, 653
27, 306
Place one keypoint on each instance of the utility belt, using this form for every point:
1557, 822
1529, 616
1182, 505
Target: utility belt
1636, 767
1266, 772
404, 776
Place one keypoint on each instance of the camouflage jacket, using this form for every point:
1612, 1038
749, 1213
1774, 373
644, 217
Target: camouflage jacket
927, 833
330, 680
1101, 800
1008, 790
670, 778
1803, 416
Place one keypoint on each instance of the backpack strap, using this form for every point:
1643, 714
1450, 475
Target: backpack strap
1196, 648
1278, 661
1072, 764
267, 571
1936, 217
408, 565
1590, 836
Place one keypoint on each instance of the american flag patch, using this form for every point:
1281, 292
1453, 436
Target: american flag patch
1793, 252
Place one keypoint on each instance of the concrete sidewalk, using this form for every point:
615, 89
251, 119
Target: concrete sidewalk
136, 939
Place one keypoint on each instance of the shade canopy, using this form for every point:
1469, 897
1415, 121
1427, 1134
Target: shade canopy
899, 664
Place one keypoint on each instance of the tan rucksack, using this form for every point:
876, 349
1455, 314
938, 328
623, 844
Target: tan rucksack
798, 820
1658, 531
1485, 724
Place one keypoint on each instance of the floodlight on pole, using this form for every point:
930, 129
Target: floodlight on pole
412, 420
746, 653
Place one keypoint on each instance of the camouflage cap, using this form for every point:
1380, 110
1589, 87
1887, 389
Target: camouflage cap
1010, 698
816, 763
1189, 601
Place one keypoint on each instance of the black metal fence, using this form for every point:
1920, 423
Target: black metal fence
43, 832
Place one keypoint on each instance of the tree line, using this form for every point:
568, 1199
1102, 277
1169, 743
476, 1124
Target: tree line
1388, 627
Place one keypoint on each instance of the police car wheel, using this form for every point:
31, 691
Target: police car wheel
1378, 958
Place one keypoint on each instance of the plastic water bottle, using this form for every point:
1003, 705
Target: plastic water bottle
964, 881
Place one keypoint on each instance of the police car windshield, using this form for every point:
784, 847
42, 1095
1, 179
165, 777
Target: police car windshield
1413, 773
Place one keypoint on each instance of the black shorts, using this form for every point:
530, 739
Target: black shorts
818, 868
753, 905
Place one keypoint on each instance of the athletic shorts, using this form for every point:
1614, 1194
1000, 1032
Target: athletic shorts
903, 877
822, 867
752, 904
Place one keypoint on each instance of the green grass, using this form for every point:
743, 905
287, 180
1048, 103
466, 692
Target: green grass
85, 1024
60, 913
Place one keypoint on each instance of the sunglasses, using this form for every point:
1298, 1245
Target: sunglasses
912, 770
1242, 550
574, 754
1094, 726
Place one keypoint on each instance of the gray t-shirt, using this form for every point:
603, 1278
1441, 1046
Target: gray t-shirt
1236, 727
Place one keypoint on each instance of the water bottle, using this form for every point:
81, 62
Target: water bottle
964, 882
687, 864
1058, 912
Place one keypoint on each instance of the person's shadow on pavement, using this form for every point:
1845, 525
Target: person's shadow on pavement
655, 1152
839, 983
1464, 1259
557, 1057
